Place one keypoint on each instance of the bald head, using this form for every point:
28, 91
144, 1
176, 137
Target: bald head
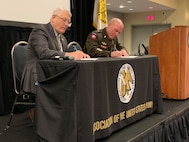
114, 28
116, 21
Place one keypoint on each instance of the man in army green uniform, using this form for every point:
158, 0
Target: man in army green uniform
104, 43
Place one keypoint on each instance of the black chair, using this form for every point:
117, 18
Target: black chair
73, 46
18, 58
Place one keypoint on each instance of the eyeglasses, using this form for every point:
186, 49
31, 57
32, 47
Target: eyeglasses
65, 20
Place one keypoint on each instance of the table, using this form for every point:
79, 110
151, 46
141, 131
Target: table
81, 101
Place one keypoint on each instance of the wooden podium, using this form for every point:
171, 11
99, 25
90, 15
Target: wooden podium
172, 48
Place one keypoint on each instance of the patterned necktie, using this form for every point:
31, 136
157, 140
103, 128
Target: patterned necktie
59, 42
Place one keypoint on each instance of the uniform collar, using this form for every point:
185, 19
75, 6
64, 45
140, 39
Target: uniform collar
104, 33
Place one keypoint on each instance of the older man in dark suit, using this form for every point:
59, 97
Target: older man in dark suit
43, 44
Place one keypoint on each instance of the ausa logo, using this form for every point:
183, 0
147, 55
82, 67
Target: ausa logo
126, 83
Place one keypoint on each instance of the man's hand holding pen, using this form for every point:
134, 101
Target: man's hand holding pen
118, 53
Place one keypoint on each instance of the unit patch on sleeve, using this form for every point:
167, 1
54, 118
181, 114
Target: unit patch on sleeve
93, 36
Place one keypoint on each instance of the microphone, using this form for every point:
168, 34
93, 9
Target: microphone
145, 49
63, 58
68, 58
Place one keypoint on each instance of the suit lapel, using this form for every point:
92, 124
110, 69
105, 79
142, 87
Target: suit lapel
54, 40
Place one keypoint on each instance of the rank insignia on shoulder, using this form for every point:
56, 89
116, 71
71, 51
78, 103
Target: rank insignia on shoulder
93, 35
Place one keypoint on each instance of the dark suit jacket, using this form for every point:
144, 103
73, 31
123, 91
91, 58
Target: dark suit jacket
42, 44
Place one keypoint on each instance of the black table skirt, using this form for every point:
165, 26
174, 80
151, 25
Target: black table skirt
79, 100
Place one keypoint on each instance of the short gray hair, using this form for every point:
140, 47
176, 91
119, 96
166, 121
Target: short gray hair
58, 11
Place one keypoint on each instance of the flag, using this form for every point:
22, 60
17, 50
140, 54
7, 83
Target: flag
100, 14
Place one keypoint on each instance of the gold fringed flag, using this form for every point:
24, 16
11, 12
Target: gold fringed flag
100, 14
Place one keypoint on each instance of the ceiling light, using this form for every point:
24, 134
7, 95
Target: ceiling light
130, 9
121, 6
129, 1
108, 3
150, 7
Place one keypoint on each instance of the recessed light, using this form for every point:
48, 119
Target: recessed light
130, 9
129, 1
121, 6
108, 3
150, 7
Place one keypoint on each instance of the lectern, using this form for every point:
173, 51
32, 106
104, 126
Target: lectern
172, 48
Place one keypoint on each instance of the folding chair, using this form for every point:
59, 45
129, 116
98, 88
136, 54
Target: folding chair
18, 58
73, 46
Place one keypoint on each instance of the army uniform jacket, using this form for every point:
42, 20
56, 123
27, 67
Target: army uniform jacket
98, 44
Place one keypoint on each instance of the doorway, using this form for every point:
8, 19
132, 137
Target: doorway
142, 33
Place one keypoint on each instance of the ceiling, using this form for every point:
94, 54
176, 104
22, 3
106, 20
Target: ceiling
135, 6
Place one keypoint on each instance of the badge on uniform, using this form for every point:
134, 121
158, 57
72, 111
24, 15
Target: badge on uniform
103, 45
93, 36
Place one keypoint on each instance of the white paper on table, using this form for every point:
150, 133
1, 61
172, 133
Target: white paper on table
89, 59
128, 56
